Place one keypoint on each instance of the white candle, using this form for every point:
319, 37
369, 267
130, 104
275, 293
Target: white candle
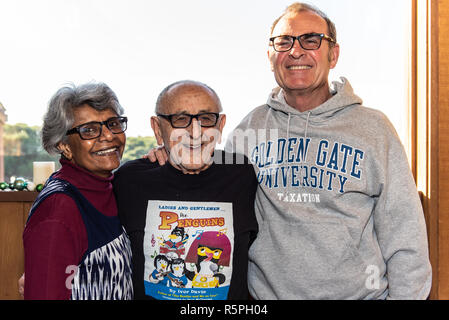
42, 170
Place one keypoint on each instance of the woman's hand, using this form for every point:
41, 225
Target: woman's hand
21, 284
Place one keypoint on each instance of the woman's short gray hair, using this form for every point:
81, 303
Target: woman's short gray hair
59, 116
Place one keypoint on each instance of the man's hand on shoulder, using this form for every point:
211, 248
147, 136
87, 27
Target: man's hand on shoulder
158, 154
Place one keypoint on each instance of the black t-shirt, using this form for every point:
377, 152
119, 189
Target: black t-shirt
190, 234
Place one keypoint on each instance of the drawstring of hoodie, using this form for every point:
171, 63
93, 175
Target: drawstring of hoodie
305, 144
306, 130
307, 125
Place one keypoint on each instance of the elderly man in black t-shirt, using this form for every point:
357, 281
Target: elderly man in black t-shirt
190, 221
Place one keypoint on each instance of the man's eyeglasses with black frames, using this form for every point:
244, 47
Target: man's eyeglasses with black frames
183, 120
92, 130
308, 41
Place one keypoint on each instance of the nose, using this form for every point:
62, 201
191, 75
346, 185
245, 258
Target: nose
106, 134
296, 51
195, 129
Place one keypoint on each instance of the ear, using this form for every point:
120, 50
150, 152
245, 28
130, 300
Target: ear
334, 53
156, 126
270, 54
65, 150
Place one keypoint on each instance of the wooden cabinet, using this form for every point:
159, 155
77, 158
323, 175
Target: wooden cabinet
14, 208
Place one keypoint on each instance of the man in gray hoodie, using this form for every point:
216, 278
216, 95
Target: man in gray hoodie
338, 210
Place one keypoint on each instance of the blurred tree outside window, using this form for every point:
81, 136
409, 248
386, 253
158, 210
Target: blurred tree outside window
136, 147
22, 146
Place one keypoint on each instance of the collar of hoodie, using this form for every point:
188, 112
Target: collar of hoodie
342, 97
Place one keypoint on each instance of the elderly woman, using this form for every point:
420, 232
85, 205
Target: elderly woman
75, 247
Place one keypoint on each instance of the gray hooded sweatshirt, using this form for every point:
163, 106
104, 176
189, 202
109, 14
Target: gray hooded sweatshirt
338, 210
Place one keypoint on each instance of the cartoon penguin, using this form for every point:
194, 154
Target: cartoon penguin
176, 236
208, 254
207, 268
174, 247
161, 265
177, 276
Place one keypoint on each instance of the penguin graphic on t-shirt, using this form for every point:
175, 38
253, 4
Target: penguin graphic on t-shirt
174, 247
209, 253
161, 264
177, 276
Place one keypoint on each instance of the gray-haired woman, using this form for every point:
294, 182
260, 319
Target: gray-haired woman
75, 247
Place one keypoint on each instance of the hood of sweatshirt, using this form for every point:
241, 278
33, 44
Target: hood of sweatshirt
343, 96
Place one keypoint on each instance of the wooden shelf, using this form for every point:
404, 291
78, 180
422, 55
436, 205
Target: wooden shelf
14, 209
18, 196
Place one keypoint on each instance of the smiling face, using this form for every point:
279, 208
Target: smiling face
177, 267
190, 148
300, 71
161, 265
100, 155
